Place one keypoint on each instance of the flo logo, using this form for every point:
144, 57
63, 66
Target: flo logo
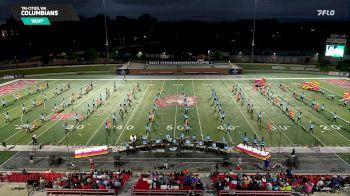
175, 101
325, 12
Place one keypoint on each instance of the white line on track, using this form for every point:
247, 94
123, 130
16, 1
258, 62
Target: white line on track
135, 109
199, 119
342, 159
9, 159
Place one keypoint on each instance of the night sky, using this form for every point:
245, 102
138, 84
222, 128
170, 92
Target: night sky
204, 10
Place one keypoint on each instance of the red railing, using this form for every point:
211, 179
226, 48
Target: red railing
255, 193
166, 192
50, 191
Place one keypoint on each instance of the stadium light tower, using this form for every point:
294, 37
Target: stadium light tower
253, 38
104, 14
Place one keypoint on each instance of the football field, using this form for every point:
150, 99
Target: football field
69, 111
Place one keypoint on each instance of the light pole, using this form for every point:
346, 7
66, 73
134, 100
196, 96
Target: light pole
253, 38
104, 14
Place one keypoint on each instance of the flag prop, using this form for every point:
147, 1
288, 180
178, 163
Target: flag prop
263, 155
260, 82
313, 85
90, 152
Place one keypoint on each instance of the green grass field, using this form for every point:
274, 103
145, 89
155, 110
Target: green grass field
203, 116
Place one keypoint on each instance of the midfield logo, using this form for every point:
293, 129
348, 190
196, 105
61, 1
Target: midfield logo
325, 12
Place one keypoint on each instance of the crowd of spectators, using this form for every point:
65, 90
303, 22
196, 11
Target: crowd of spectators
284, 181
97, 179
178, 180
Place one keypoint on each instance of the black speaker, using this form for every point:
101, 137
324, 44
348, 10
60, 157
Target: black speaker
208, 143
220, 145
117, 161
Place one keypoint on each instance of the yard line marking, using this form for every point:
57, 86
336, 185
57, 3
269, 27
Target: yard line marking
24, 102
199, 119
233, 100
65, 109
19, 130
332, 91
92, 114
9, 82
224, 122
177, 94
155, 110
138, 104
313, 135
329, 110
320, 120
108, 116
268, 116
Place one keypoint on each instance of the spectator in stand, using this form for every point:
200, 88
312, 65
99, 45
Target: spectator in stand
289, 173
269, 186
308, 188
320, 184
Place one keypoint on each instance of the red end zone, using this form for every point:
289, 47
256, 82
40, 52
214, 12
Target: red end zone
175, 100
16, 85
339, 82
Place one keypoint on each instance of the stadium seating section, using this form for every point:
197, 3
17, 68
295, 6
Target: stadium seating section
275, 183
96, 182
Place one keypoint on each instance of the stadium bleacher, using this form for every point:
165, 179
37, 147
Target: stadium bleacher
275, 183
94, 182
105, 182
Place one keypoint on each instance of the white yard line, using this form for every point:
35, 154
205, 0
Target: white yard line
9, 82
233, 100
332, 91
292, 100
224, 123
19, 130
155, 110
25, 102
313, 135
330, 111
177, 92
135, 109
65, 108
199, 119
274, 123
104, 121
